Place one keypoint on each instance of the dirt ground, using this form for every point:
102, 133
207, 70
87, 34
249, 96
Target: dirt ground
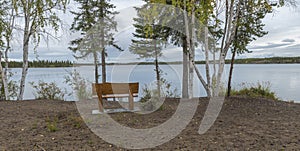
243, 124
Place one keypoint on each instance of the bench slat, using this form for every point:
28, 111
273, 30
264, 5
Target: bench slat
118, 96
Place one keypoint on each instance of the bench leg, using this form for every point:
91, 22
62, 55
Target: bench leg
100, 104
131, 103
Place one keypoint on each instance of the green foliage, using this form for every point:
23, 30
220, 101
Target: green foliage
261, 89
150, 37
150, 97
79, 85
52, 124
2, 23
167, 91
250, 15
96, 23
97, 15
39, 15
49, 91
12, 88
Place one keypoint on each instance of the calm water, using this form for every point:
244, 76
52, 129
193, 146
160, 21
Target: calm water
284, 79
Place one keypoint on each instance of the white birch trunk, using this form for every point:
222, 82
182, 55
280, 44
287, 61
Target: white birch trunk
205, 85
230, 32
25, 57
188, 53
192, 57
207, 62
4, 79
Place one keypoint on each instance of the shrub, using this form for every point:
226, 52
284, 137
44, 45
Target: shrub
79, 85
49, 91
13, 88
260, 89
151, 101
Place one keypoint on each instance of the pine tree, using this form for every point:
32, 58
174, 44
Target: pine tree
95, 21
150, 39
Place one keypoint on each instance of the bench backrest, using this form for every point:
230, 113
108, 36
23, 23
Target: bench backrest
117, 88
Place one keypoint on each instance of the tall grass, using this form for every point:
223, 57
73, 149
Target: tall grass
257, 90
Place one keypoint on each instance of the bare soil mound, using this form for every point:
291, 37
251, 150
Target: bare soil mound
243, 124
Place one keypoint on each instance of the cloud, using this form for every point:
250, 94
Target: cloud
282, 40
288, 40
294, 48
270, 46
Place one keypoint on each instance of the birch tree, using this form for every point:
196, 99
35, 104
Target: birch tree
7, 20
243, 22
250, 26
218, 33
3, 25
37, 17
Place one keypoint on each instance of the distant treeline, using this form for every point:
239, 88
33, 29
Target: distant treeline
274, 60
40, 64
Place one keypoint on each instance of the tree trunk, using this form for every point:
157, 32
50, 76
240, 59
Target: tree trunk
214, 74
4, 79
103, 66
157, 71
228, 36
103, 54
220, 72
192, 56
25, 58
207, 60
185, 68
230, 73
233, 57
205, 85
24, 71
96, 67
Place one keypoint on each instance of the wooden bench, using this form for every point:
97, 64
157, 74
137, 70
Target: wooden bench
116, 90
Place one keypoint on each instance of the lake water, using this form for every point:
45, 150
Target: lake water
284, 79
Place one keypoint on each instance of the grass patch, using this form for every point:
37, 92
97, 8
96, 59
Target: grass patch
75, 121
52, 124
258, 90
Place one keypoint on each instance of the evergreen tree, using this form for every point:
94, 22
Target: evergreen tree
150, 38
95, 21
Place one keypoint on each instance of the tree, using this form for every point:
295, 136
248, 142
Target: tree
3, 24
222, 33
151, 38
36, 16
250, 26
7, 19
196, 16
95, 21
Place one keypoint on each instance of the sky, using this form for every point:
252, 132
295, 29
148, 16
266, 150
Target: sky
283, 38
